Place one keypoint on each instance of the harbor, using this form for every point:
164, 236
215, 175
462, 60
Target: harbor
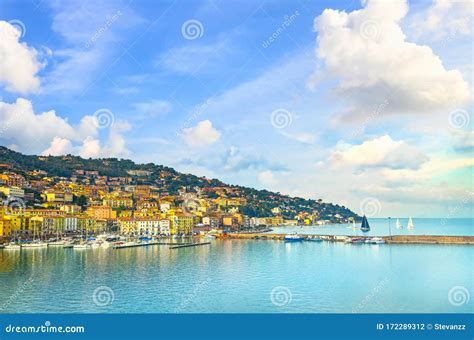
238, 275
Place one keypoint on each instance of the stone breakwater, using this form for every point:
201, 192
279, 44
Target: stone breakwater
396, 239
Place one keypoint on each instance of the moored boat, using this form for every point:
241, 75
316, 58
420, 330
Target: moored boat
13, 246
354, 240
375, 240
34, 245
314, 239
82, 246
58, 243
293, 238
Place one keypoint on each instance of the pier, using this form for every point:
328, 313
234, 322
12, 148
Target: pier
134, 245
395, 239
189, 245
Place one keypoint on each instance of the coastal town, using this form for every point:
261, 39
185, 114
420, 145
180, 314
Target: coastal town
39, 205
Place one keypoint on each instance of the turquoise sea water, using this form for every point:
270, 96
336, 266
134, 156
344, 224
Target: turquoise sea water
380, 227
240, 276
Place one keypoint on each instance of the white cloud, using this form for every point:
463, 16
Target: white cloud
194, 58
116, 144
382, 152
202, 134
92, 43
31, 131
49, 134
19, 65
153, 107
367, 51
446, 18
90, 148
59, 146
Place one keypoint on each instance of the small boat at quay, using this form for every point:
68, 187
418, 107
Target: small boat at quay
314, 239
354, 240
82, 246
34, 245
58, 243
12, 246
293, 238
375, 240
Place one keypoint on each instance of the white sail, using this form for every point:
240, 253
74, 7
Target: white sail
398, 225
410, 224
354, 224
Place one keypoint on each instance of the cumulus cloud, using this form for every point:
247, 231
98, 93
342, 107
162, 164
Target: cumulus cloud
30, 130
203, 134
49, 134
59, 146
381, 152
19, 64
367, 51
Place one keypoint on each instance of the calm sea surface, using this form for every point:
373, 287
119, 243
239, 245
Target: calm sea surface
243, 276
380, 227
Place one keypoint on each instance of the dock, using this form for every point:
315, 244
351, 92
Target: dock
134, 245
395, 239
189, 245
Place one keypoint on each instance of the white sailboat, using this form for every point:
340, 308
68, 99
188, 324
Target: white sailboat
35, 243
410, 225
13, 246
398, 225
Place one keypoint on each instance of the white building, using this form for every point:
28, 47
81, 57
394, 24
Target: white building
165, 226
148, 227
70, 224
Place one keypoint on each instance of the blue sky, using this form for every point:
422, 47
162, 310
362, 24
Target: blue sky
363, 104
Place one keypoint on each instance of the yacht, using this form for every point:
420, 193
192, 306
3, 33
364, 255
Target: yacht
293, 238
398, 225
35, 244
314, 239
82, 245
209, 237
13, 246
365, 225
57, 243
